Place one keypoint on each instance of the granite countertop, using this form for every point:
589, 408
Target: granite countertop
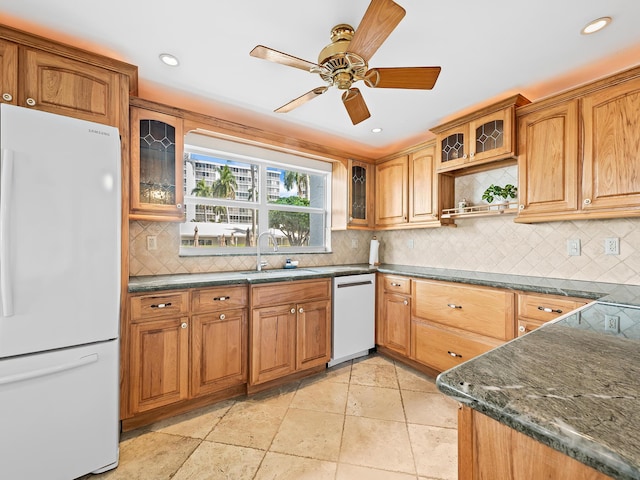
610, 292
571, 384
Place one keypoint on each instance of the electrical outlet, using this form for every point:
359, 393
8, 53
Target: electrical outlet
612, 246
410, 243
354, 243
152, 242
573, 247
612, 323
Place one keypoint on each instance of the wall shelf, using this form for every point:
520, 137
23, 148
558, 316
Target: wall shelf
481, 210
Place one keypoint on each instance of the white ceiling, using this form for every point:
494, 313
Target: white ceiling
487, 50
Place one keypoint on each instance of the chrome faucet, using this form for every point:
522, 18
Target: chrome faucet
259, 262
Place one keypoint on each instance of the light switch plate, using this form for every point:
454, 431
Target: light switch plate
573, 247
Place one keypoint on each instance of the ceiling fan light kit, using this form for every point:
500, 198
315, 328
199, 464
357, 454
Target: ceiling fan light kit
345, 61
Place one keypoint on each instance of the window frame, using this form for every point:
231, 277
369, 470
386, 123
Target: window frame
264, 159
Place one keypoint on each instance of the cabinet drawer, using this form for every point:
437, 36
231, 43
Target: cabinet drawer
159, 305
546, 307
442, 349
290, 292
483, 310
219, 298
397, 284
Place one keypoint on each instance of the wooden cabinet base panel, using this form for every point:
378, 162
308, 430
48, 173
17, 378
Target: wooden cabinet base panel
155, 415
407, 361
251, 389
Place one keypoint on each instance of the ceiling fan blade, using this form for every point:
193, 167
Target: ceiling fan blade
355, 105
423, 78
380, 19
287, 107
266, 53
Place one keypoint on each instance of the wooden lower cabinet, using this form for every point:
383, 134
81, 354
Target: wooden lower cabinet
159, 363
444, 349
536, 309
273, 343
181, 346
219, 349
394, 313
435, 325
290, 329
488, 449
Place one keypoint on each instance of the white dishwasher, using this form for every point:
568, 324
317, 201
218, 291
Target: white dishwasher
353, 316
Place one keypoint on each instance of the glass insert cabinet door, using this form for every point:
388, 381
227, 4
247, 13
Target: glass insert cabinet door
157, 146
359, 193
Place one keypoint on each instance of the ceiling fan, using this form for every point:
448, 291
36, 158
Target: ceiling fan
345, 61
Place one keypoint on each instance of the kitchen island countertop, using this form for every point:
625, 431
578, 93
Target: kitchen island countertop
572, 385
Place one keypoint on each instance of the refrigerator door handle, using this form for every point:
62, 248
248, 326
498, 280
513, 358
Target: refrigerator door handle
44, 372
6, 191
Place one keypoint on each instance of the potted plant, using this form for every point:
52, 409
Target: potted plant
501, 194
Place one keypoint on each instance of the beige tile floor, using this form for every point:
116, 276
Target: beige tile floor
371, 419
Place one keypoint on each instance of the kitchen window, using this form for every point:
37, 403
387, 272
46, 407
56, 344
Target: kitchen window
233, 192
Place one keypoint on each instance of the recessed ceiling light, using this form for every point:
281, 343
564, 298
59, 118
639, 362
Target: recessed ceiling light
169, 59
596, 25
376, 130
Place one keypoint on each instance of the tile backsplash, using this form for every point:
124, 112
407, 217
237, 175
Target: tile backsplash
488, 244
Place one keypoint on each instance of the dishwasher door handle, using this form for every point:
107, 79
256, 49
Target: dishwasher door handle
354, 284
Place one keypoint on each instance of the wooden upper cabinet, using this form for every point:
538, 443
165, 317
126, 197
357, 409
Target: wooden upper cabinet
157, 146
423, 205
481, 137
392, 181
69, 87
8, 72
579, 156
360, 194
611, 167
548, 161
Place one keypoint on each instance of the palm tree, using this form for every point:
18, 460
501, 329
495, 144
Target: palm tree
300, 179
203, 190
225, 186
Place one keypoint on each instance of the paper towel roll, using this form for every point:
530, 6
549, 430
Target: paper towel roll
373, 251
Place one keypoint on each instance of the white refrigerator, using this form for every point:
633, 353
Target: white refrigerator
60, 210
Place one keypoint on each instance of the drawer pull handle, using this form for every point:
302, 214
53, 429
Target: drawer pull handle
220, 299
454, 354
161, 305
394, 284
453, 305
549, 310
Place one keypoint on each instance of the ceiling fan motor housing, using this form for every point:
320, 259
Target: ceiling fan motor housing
339, 67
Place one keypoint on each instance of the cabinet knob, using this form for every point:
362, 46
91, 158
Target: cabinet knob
31, 102
351, 219
406, 302
301, 310
7, 97
293, 310
464, 156
222, 316
453, 305
522, 328
184, 325
472, 154
587, 201
179, 205
521, 207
